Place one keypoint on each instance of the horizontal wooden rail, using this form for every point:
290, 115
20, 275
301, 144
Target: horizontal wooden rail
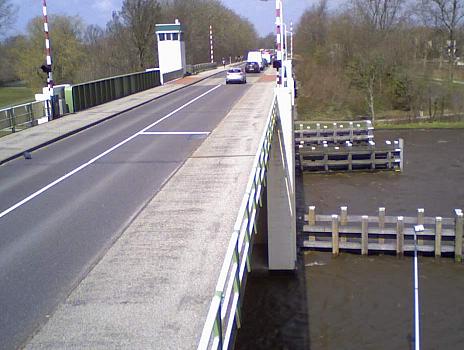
327, 158
366, 234
309, 133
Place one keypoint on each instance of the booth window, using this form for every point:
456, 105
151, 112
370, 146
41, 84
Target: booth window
175, 36
168, 36
181, 36
162, 37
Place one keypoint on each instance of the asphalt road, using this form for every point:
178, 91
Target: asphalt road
61, 210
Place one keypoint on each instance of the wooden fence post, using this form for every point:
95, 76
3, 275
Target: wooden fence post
420, 221
381, 223
335, 241
311, 215
401, 144
438, 231
458, 238
364, 235
301, 131
373, 158
399, 235
343, 215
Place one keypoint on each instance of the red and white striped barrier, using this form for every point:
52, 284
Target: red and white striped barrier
48, 51
279, 41
211, 43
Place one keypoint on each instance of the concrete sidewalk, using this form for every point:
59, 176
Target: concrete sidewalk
153, 288
14, 145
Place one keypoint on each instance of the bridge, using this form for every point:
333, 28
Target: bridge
132, 224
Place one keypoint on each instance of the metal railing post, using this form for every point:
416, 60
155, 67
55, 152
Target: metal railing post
11, 117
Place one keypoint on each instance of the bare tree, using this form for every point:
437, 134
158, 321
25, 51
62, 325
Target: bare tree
140, 17
447, 15
7, 15
364, 73
380, 14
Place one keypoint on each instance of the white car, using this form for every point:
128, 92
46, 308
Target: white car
256, 56
236, 75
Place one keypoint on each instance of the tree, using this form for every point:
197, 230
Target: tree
379, 14
7, 73
267, 42
7, 15
66, 45
447, 15
140, 18
233, 35
364, 72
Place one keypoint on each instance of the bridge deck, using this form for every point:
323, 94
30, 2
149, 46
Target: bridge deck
15, 144
153, 287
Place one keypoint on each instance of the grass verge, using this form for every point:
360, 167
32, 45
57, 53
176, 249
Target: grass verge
10, 96
422, 125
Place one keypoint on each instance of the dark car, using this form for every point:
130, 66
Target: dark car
252, 67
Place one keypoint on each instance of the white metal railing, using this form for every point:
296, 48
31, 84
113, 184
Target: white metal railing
224, 310
13, 119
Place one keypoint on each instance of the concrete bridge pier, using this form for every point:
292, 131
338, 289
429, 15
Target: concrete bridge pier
281, 215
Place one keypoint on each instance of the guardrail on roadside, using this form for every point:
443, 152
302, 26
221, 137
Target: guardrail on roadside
173, 75
224, 311
197, 68
94, 93
21, 117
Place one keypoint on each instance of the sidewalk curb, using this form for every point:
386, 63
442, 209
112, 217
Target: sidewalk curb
73, 132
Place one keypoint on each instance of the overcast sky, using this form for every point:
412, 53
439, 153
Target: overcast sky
259, 12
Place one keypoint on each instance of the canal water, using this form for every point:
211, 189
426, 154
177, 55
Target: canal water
356, 302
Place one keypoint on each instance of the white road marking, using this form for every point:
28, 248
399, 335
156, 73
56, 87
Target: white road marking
175, 133
101, 155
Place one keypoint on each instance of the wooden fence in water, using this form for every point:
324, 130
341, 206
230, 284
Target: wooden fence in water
372, 156
344, 146
310, 133
394, 234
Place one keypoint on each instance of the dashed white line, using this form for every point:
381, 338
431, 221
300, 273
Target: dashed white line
93, 160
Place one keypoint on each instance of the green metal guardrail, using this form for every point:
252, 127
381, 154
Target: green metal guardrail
224, 312
94, 93
197, 68
173, 75
20, 117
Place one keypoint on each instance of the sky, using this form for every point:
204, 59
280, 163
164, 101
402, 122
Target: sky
261, 13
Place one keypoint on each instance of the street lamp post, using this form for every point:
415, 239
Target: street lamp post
417, 229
